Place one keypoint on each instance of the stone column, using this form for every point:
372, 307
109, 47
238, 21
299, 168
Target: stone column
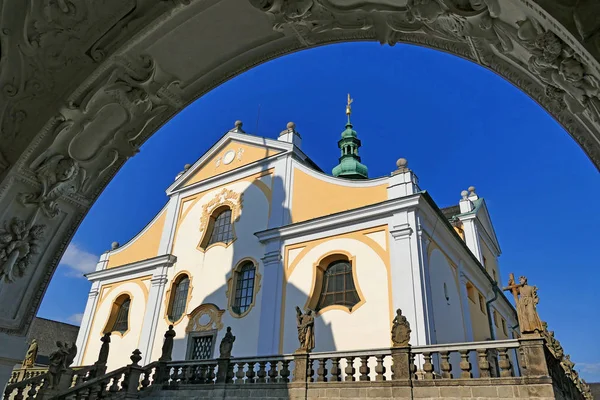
154, 311
533, 357
271, 300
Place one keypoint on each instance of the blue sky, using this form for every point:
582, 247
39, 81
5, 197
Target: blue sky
458, 125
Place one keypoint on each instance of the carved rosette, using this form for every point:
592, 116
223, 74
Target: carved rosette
225, 197
205, 317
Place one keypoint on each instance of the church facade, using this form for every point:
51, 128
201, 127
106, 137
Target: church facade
254, 229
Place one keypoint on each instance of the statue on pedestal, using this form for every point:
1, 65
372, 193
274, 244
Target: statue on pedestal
31, 355
167, 347
526, 300
226, 344
400, 330
60, 360
306, 330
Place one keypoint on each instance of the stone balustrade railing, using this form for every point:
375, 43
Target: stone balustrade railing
29, 385
21, 374
518, 362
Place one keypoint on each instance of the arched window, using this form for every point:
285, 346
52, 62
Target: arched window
338, 286
244, 288
179, 297
222, 230
119, 316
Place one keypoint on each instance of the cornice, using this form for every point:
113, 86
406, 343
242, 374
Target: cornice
147, 265
338, 220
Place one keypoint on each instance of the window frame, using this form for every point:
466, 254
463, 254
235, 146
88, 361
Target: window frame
114, 313
319, 268
482, 303
232, 286
208, 231
190, 343
171, 293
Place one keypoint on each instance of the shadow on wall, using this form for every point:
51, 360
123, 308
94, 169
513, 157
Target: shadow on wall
262, 321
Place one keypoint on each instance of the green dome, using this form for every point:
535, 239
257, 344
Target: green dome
351, 168
349, 132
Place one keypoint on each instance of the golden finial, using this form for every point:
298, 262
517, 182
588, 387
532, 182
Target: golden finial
348, 108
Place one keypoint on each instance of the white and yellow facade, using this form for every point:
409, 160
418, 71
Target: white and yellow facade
291, 221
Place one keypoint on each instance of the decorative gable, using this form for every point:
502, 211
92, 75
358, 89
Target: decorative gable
233, 151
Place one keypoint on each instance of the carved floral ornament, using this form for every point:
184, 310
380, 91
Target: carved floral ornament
19, 240
205, 317
225, 197
523, 51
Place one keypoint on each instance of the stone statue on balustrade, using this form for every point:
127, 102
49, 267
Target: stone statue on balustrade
226, 344
60, 360
400, 330
526, 300
167, 347
31, 355
306, 330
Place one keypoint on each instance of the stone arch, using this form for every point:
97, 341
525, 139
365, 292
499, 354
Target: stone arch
71, 118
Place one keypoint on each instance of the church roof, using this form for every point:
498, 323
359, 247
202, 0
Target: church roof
450, 211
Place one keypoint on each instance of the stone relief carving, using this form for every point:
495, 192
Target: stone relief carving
58, 176
520, 49
205, 317
99, 130
19, 241
224, 197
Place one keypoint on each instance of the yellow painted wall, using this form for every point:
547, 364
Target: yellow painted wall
368, 323
142, 247
120, 345
313, 197
250, 154
479, 320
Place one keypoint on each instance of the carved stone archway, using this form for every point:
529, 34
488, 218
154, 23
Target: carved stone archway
84, 83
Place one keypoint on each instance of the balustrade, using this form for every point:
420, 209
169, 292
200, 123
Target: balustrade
469, 360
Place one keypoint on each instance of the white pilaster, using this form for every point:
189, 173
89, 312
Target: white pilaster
408, 283
423, 244
153, 311
403, 181
166, 239
272, 298
472, 235
291, 136
281, 197
86, 321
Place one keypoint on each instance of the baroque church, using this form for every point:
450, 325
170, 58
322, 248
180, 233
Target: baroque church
255, 229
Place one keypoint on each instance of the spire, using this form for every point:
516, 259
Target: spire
350, 166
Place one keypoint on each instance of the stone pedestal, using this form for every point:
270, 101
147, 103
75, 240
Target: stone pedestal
223, 370
401, 363
533, 356
301, 367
